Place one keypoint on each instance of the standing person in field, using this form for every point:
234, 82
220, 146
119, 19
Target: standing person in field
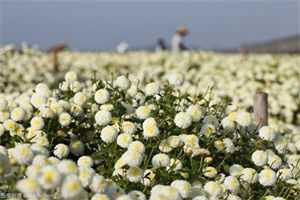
177, 39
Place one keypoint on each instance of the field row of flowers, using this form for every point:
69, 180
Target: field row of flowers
117, 139
234, 76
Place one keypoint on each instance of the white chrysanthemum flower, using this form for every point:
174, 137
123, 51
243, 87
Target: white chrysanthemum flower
213, 189
2, 130
46, 112
196, 112
80, 98
33, 171
183, 120
207, 130
76, 110
150, 131
3, 150
85, 161
57, 108
37, 123
219, 145
103, 117
71, 187
29, 187
171, 192
149, 122
100, 197
42, 140
75, 86
244, 119
86, 175
53, 160
39, 149
128, 127
49, 177
41, 160
114, 192
267, 133
3, 104
231, 183
176, 79
124, 140
148, 177
61, 151
17, 114
229, 146
152, 89
109, 134
164, 146
227, 123
235, 170
37, 100
137, 146
122, 82
64, 86
174, 141
267, 177
200, 197
280, 143
183, 187
101, 96
174, 165
249, 175
137, 195
64, 119
22, 154
70, 76
134, 174
294, 161
133, 158
143, 112
76, 147
191, 141
132, 91
274, 161
211, 119
284, 174
67, 167
4, 115
160, 160
210, 172
99, 184
9, 125
42, 89
120, 163
259, 158
233, 197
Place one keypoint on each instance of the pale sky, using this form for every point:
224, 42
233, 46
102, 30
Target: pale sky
102, 24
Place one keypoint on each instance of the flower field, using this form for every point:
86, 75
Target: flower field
144, 125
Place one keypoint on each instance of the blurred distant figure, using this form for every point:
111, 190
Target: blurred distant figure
160, 45
54, 51
177, 39
122, 47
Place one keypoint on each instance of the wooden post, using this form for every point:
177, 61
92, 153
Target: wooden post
260, 109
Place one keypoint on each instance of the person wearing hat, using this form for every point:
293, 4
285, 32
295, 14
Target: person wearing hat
177, 39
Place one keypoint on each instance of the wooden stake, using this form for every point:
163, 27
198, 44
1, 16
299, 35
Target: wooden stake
260, 109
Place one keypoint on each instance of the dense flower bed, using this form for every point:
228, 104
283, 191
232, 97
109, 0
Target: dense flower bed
234, 76
118, 139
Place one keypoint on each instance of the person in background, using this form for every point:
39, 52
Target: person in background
177, 39
122, 47
160, 45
